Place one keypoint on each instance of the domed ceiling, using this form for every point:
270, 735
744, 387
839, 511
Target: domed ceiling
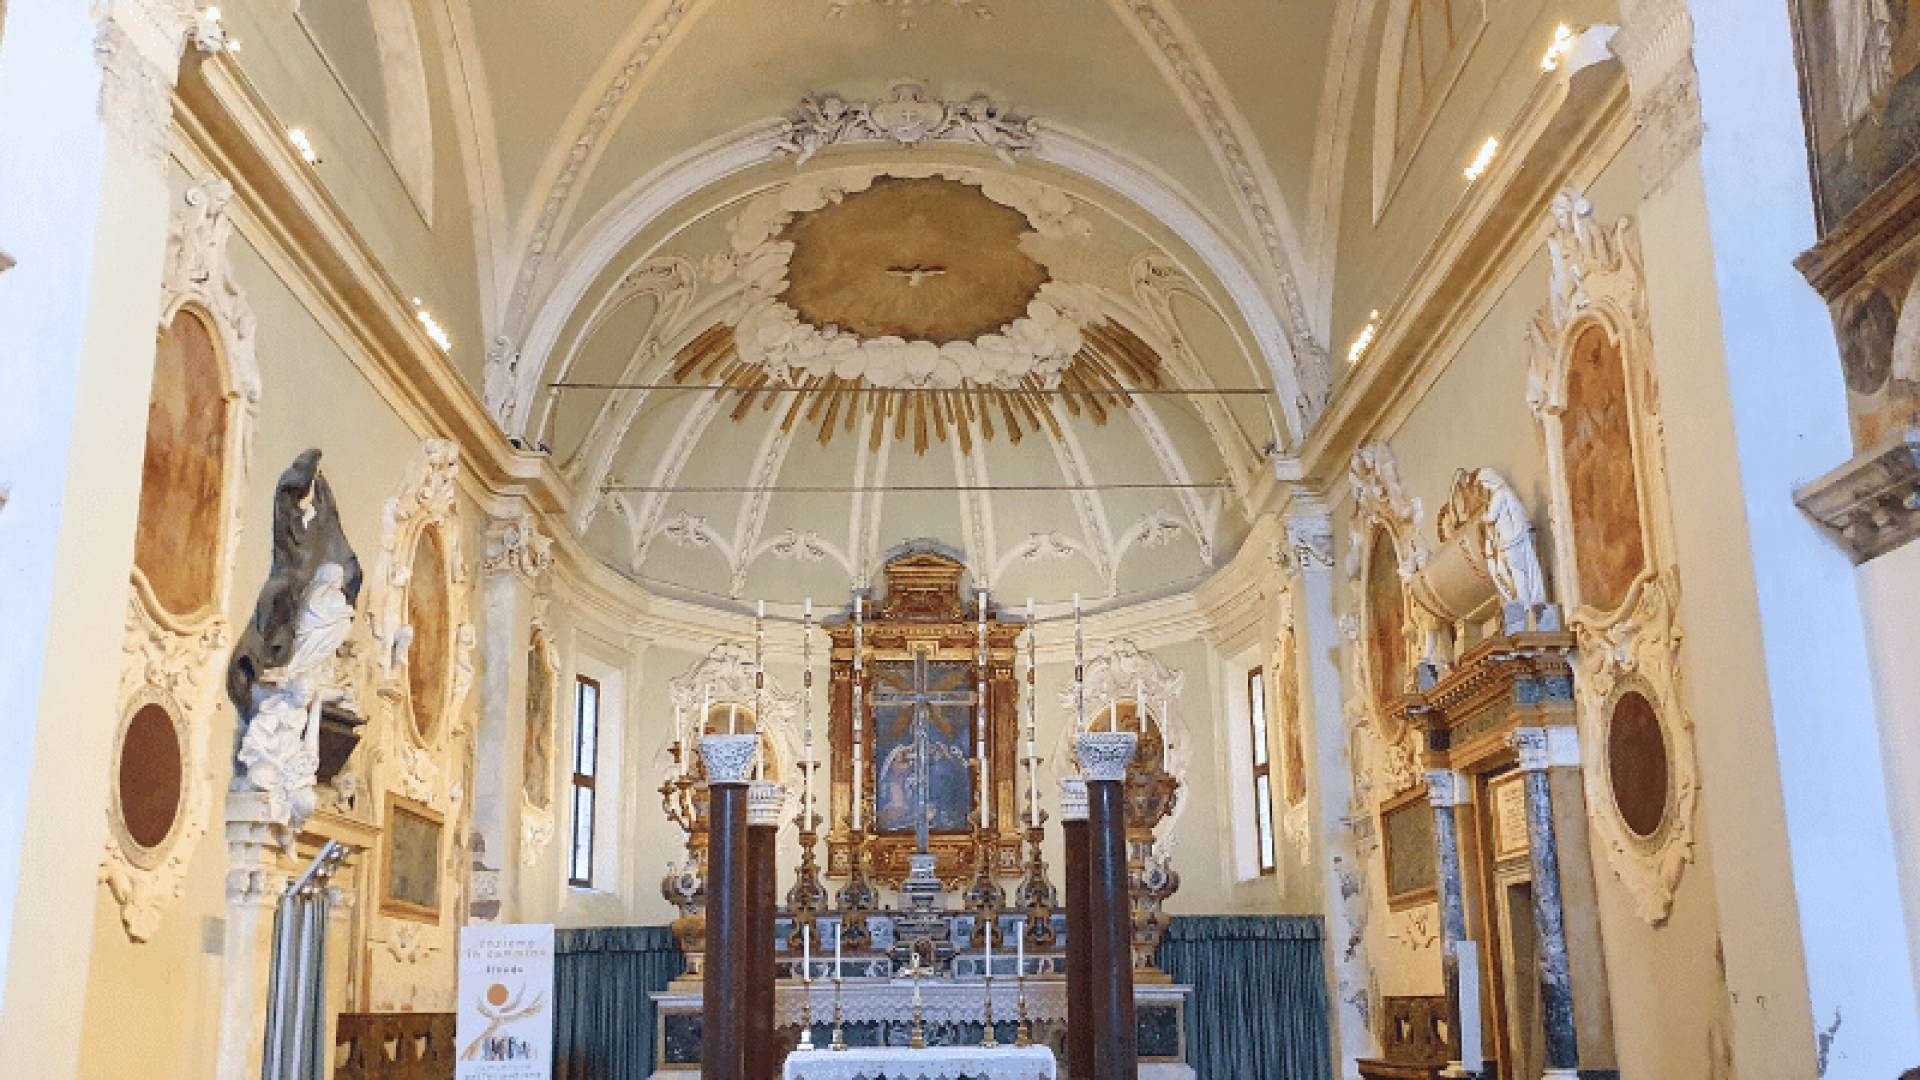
784, 283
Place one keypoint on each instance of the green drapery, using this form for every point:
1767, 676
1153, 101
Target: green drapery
603, 1021
1259, 1007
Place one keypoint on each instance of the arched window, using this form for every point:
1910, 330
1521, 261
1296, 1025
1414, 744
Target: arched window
1426, 45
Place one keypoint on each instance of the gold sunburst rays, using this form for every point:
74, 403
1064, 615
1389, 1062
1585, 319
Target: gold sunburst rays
1113, 361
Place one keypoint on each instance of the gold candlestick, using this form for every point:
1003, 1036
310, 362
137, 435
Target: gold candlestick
806, 991
987, 1039
1023, 1032
919, 1040
839, 1033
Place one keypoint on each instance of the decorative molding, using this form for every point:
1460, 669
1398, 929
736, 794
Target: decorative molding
1308, 544
138, 46
727, 676
728, 758
1221, 128
1870, 505
1598, 280
1447, 789
173, 659
1655, 45
516, 545
765, 802
906, 117
905, 10
1381, 502
1105, 755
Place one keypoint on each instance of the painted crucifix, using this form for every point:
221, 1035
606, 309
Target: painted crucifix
923, 781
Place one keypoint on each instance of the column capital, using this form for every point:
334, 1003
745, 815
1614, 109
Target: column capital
1073, 799
1308, 544
138, 47
516, 545
1655, 45
1542, 748
728, 758
765, 800
1446, 788
1105, 755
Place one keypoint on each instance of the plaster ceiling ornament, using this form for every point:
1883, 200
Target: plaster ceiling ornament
898, 323
1592, 390
687, 531
905, 10
798, 546
175, 641
907, 117
516, 545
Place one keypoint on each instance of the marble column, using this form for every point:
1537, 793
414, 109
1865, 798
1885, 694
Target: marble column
1549, 914
764, 801
1446, 790
723, 1034
1073, 828
1104, 756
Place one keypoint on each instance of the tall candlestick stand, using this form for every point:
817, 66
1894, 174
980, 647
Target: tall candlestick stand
1023, 1031
858, 896
839, 1032
988, 1040
984, 895
805, 1045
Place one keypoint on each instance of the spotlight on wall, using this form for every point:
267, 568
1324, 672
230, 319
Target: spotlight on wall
1364, 340
1562, 45
298, 137
1482, 159
434, 330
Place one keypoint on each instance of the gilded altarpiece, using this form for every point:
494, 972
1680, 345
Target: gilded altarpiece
1592, 391
923, 638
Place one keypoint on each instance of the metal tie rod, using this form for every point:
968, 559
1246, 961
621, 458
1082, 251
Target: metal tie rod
859, 489
1055, 391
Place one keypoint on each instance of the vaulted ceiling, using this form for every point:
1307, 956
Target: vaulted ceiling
933, 250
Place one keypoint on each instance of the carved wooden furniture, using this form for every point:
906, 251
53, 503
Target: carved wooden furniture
1413, 1040
394, 1046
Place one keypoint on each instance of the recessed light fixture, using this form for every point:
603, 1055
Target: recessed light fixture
1364, 340
1562, 45
1484, 158
298, 137
434, 330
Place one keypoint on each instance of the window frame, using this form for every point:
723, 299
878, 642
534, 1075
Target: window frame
584, 785
1260, 770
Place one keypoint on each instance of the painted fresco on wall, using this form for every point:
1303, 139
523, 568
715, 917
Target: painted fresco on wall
180, 528
1406, 832
1386, 620
537, 756
1858, 62
427, 658
1601, 488
411, 886
1286, 702
949, 787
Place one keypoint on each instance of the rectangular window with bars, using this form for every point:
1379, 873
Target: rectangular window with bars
1262, 769
586, 764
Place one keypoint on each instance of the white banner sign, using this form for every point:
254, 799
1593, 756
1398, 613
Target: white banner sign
505, 1025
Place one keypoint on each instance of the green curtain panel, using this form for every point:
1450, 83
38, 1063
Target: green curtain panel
1259, 1008
603, 1019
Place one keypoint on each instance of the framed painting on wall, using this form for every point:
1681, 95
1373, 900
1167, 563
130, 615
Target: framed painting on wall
1406, 842
410, 863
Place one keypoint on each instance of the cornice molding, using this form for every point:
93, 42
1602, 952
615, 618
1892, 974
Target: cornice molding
1575, 122
1870, 505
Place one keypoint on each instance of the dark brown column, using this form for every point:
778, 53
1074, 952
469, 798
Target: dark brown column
763, 821
1073, 825
728, 759
1116, 1042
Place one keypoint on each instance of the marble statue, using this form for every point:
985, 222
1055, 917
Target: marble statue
1507, 541
280, 746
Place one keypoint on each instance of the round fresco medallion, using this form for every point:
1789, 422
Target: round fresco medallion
149, 787
1637, 767
1867, 326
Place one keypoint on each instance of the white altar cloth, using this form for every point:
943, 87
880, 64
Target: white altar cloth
933, 1063
869, 1001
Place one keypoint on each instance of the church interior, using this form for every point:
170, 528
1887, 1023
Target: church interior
960, 539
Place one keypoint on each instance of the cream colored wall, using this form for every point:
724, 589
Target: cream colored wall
153, 1009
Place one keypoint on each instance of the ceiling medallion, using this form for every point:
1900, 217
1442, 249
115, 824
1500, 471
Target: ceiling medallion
905, 278
907, 117
905, 10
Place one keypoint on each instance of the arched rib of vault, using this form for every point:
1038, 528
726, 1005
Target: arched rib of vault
1134, 186
761, 475
670, 280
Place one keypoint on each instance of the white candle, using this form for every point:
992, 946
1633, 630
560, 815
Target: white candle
1033, 696
1020, 966
986, 808
706, 710
679, 739
1079, 671
839, 932
1140, 705
989, 936
806, 951
859, 666
759, 688
806, 709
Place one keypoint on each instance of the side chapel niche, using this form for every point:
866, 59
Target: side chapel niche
206, 386
1593, 394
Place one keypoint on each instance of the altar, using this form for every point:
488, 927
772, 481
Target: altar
932, 1063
